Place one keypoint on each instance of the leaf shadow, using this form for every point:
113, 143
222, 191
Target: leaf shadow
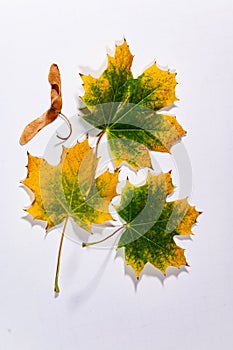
86, 70
33, 222
149, 270
28, 191
86, 293
168, 108
183, 238
128, 270
77, 234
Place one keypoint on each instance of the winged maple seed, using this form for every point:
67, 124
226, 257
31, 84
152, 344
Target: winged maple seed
52, 113
67, 191
128, 109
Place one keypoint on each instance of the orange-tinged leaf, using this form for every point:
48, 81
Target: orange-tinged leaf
51, 114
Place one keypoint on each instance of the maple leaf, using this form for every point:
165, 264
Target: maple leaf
126, 108
51, 114
151, 224
67, 190
129, 111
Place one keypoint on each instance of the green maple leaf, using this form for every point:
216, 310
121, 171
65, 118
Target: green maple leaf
151, 223
126, 108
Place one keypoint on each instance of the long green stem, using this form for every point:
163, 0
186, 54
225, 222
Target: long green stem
102, 240
56, 286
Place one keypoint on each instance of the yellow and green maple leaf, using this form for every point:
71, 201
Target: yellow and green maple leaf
68, 189
129, 111
151, 222
127, 108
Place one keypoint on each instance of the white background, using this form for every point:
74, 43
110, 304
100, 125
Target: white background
99, 307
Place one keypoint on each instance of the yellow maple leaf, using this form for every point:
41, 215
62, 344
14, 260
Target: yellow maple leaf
69, 190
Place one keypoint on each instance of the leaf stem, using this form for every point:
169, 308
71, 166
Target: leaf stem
98, 141
56, 286
63, 116
94, 164
102, 240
